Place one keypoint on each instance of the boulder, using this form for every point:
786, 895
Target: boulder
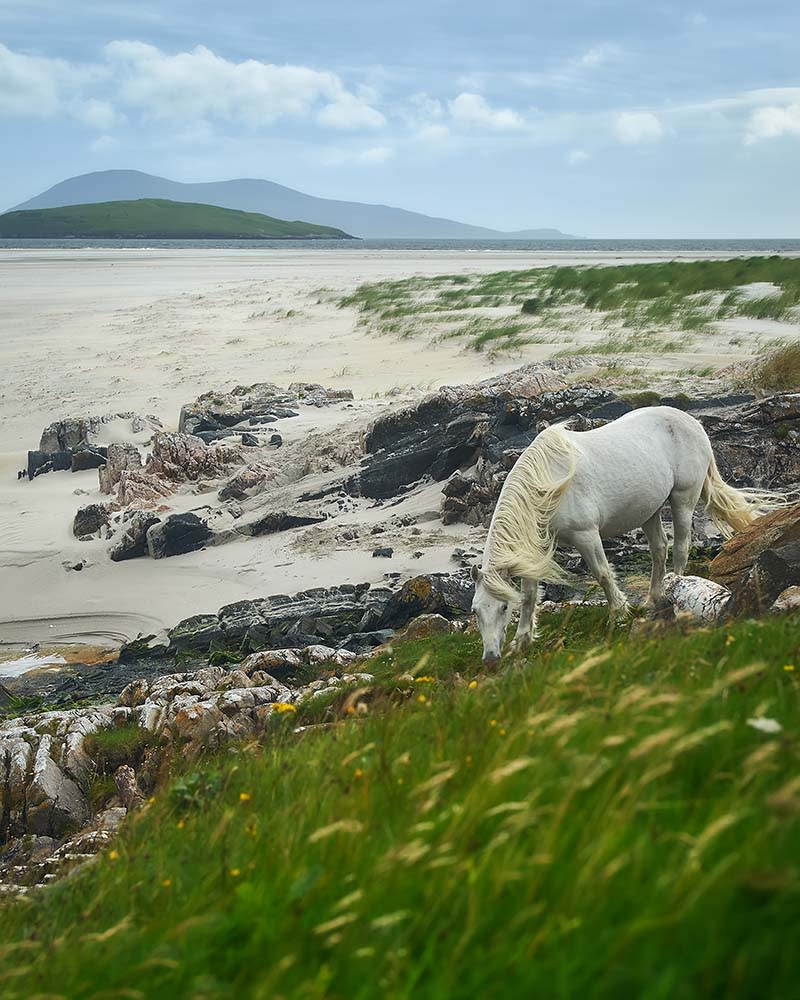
425, 626
176, 535
247, 482
700, 599
738, 555
90, 519
119, 458
88, 458
431, 594
132, 542
40, 462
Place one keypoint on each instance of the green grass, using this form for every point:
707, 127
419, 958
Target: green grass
155, 218
597, 820
776, 370
682, 297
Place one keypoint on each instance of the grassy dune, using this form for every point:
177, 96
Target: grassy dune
643, 305
155, 218
598, 820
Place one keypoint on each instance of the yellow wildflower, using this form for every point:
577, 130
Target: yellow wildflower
358, 773
167, 882
181, 823
244, 796
472, 685
113, 855
282, 707
789, 668
424, 680
730, 639
493, 722
501, 731
236, 872
421, 699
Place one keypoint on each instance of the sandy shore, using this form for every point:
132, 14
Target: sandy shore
89, 332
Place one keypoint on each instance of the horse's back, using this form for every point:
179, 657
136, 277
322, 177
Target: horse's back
628, 468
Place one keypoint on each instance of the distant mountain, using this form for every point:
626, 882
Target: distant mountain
156, 218
267, 198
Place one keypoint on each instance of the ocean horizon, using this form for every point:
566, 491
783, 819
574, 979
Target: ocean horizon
566, 246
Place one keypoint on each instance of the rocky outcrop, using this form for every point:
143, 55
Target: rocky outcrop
50, 760
120, 458
73, 443
761, 562
176, 535
216, 415
179, 458
131, 541
247, 482
90, 520
352, 617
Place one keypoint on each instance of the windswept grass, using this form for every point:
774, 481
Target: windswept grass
601, 821
776, 370
678, 297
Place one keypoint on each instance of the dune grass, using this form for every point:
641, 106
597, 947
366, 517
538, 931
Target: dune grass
776, 370
598, 820
677, 297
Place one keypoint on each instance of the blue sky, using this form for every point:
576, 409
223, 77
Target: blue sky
604, 119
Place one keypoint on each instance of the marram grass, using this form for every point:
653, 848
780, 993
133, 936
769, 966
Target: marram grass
598, 820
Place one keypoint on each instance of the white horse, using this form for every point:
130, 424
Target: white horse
576, 488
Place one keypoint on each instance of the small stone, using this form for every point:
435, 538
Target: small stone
383, 552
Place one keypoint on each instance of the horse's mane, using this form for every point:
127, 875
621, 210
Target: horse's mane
520, 542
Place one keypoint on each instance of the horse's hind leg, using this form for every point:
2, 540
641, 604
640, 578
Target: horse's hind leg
591, 549
657, 540
526, 629
683, 503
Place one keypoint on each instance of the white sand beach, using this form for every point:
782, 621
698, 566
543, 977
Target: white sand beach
97, 331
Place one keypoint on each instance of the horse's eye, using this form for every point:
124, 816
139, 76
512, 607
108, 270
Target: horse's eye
505, 608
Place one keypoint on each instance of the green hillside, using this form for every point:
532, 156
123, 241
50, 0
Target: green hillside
155, 218
593, 821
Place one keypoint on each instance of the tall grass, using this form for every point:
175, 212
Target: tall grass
593, 821
676, 297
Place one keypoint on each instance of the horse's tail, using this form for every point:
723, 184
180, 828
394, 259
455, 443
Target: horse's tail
731, 509
521, 542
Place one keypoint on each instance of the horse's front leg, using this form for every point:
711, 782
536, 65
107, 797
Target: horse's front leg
526, 629
591, 549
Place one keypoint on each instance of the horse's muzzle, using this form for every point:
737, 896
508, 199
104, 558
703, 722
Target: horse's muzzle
490, 659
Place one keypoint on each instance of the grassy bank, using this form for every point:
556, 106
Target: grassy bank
594, 821
155, 218
639, 303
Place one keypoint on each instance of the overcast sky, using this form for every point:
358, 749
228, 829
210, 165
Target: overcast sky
605, 119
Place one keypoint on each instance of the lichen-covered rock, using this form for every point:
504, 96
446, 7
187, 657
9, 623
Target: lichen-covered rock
131, 542
739, 553
90, 519
181, 457
433, 594
120, 458
701, 599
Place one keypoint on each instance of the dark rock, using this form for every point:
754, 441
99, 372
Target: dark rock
88, 458
176, 535
268, 524
40, 462
132, 542
276, 440
250, 440
363, 642
383, 552
432, 594
90, 519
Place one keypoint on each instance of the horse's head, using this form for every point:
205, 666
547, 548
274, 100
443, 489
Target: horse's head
493, 616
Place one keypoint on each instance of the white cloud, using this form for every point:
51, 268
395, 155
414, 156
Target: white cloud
202, 85
473, 111
635, 127
773, 121
38, 87
576, 156
96, 114
349, 112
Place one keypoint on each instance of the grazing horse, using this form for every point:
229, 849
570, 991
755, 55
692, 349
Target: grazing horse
577, 487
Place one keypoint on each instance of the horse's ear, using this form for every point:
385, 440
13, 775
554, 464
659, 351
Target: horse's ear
476, 574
